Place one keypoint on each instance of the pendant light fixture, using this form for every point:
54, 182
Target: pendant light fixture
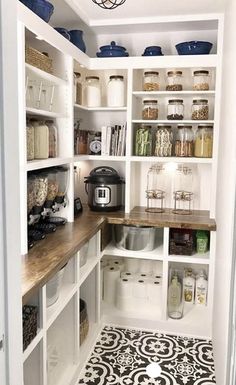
109, 4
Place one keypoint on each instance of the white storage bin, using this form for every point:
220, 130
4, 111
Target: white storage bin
136, 238
53, 287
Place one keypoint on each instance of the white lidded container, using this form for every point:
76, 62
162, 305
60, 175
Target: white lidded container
41, 140
92, 91
134, 237
53, 287
116, 91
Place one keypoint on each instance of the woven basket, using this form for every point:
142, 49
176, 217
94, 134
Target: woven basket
84, 322
29, 316
181, 242
38, 59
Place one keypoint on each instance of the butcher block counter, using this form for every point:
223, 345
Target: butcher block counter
50, 254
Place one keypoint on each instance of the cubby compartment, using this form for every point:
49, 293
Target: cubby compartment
62, 345
33, 367
88, 256
32, 319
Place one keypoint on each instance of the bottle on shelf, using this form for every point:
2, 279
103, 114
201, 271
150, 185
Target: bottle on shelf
188, 286
175, 303
201, 289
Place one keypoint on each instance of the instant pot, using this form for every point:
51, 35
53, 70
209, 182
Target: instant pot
104, 187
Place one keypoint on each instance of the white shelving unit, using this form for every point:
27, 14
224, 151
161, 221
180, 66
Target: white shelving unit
64, 315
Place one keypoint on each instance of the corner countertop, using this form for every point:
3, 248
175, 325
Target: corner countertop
50, 254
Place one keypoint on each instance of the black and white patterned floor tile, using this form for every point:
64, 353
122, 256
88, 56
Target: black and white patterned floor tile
121, 356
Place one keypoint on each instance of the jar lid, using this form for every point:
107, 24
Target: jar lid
183, 126
205, 126
175, 101
117, 77
92, 78
77, 74
151, 73
145, 126
164, 126
200, 101
150, 101
173, 73
200, 72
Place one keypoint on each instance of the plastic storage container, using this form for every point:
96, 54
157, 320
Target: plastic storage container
134, 238
53, 287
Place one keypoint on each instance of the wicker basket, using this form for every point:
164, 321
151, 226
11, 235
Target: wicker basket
38, 59
84, 322
181, 242
29, 316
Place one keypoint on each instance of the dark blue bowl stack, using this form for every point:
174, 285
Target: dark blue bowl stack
42, 8
63, 31
153, 50
194, 48
76, 38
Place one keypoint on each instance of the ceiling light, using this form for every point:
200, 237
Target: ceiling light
109, 4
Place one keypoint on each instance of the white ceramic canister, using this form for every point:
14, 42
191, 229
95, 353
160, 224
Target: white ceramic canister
92, 91
116, 91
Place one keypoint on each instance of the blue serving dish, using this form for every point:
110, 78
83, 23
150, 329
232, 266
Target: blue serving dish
63, 31
112, 50
194, 48
42, 8
76, 37
154, 50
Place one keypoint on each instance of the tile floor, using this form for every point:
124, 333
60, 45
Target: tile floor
121, 356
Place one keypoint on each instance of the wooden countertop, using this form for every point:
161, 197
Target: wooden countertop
50, 254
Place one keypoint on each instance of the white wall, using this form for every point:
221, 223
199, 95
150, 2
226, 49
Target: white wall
225, 199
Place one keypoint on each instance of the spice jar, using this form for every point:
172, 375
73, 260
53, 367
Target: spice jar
77, 88
151, 81
143, 141
184, 143
30, 141
53, 136
201, 80
175, 109
150, 109
116, 91
204, 141
164, 140
174, 80
92, 91
200, 109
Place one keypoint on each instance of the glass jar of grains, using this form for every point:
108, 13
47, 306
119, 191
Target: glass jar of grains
151, 81
200, 109
175, 109
201, 80
30, 141
204, 141
164, 140
184, 143
150, 110
143, 141
174, 81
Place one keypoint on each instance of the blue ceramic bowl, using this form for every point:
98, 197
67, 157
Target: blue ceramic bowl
76, 37
194, 48
63, 31
112, 50
154, 50
42, 8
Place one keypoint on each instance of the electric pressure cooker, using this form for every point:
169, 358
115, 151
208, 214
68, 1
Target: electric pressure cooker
104, 187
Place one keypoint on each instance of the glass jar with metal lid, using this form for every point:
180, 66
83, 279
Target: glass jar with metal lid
203, 145
174, 81
184, 143
151, 81
150, 110
143, 141
201, 80
175, 109
200, 109
164, 140
92, 91
116, 91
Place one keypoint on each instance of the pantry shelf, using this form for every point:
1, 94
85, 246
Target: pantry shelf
45, 114
102, 109
45, 75
171, 159
195, 258
44, 163
67, 291
165, 121
33, 345
141, 94
79, 158
87, 268
156, 254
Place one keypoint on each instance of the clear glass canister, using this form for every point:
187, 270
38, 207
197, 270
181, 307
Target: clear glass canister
157, 185
53, 139
116, 91
204, 141
200, 109
184, 143
30, 141
201, 80
164, 140
41, 139
151, 81
143, 141
150, 109
92, 91
77, 88
175, 109
183, 190
174, 81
